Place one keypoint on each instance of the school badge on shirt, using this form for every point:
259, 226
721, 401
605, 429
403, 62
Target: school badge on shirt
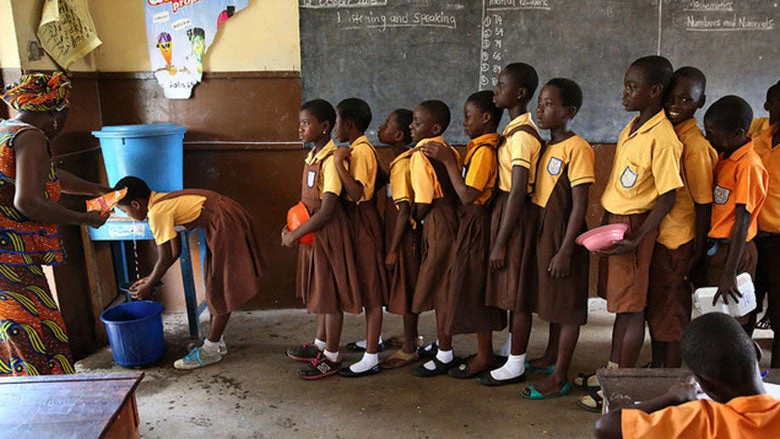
554, 166
311, 177
628, 178
720, 195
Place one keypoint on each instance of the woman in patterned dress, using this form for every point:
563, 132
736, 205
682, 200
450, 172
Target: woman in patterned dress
33, 339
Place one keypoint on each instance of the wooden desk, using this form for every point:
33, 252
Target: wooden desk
70, 406
623, 387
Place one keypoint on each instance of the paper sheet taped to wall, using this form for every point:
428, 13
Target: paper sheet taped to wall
67, 31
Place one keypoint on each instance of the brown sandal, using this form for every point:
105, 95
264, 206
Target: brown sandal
399, 359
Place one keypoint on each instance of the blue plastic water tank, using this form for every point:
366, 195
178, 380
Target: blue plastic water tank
135, 332
152, 152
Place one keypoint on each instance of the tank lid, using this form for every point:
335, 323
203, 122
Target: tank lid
149, 130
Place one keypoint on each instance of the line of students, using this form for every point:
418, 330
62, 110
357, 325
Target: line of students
493, 232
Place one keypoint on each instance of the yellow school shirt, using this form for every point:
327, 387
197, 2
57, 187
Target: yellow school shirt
480, 168
165, 215
520, 149
401, 179
328, 180
646, 165
739, 179
698, 162
363, 166
758, 126
574, 156
425, 184
769, 217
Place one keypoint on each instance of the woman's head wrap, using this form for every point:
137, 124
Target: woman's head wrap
39, 92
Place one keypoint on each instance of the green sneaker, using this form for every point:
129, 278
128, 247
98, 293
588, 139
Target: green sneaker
197, 358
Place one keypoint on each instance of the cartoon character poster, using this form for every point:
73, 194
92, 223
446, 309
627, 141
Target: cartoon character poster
178, 33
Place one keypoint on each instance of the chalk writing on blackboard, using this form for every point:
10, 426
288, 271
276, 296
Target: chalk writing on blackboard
723, 16
704, 6
332, 4
383, 21
505, 5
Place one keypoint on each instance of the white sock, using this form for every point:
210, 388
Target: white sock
506, 349
443, 356
331, 356
362, 343
429, 347
319, 343
513, 368
210, 347
366, 363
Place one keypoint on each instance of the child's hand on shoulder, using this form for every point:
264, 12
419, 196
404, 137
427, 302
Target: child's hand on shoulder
686, 391
342, 154
437, 151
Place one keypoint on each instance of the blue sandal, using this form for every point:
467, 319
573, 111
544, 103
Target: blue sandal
530, 392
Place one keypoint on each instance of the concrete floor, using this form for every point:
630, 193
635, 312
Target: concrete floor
255, 392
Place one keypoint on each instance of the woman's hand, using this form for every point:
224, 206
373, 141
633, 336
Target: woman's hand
95, 219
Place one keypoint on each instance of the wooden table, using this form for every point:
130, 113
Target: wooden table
624, 387
70, 406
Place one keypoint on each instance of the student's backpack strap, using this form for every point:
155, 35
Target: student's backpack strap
382, 177
524, 128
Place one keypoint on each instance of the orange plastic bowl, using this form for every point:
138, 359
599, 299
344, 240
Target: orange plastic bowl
296, 216
602, 238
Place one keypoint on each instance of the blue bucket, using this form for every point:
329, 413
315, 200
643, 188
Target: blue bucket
151, 152
135, 332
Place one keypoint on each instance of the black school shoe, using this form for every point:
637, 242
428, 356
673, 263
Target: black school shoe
347, 372
441, 368
486, 379
321, 367
428, 354
353, 347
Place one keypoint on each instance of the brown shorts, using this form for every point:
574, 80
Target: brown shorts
669, 296
768, 274
717, 262
624, 278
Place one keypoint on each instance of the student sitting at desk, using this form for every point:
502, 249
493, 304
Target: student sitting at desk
724, 363
234, 263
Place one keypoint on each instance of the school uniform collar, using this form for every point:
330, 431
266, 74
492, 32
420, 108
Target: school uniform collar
767, 134
327, 149
523, 119
685, 126
650, 124
401, 156
741, 152
485, 139
359, 140
422, 142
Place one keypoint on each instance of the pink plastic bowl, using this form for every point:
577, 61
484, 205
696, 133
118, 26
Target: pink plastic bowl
602, 237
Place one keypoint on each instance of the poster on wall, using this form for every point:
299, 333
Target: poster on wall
178, 34
66, 31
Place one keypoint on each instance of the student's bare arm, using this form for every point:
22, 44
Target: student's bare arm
727, 286
316, 222
165, 258
442, 153
421, 210
510, 217
560, 265
399, 228
74, 185
610, 426
352, 187
662, 206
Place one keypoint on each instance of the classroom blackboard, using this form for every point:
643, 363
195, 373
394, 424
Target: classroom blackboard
399, 53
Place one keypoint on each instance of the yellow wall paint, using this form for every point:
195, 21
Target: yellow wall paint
262, 37
9, 54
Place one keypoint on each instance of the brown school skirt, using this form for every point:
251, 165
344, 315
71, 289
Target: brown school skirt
438, 236
669, 295
404, 275
511, 288
768, 274
624, 278
326, 279
367, 240
562, 301
466, 310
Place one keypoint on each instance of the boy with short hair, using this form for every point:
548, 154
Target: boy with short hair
727, 371
768, 238
434, 202
741, 183
761, 124
682, 234
640, 192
